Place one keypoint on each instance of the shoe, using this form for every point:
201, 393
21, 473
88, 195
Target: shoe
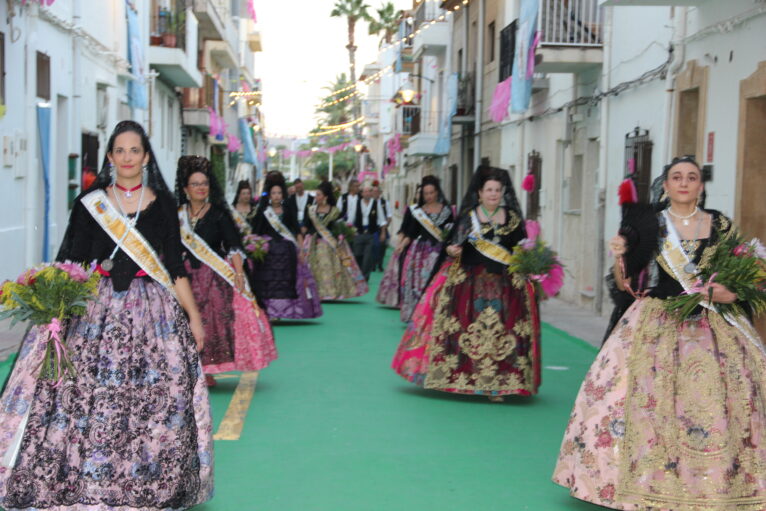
210, 381
496, 399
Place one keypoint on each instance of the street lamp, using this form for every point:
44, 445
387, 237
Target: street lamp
407, 91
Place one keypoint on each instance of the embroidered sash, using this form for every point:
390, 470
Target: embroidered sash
676, 259
240, 220
422, 217
321, 227
278, 226
202, 251
487, 248
134, 244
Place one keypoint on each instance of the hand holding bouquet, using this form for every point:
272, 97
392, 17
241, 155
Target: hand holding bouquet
257, 247
736, 264
535, 262
47, 296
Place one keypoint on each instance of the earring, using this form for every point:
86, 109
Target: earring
111, 172
664, 196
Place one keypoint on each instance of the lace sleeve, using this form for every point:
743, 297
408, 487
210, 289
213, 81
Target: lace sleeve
461, 230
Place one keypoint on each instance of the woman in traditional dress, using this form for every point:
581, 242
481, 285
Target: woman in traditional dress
330, 258
476, 329
243, 207
237, 332
133, 429
671, 414
283, 280
423, 231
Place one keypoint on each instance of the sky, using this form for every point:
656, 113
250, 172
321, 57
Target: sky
304, 49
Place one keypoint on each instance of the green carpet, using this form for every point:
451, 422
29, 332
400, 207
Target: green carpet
332, 428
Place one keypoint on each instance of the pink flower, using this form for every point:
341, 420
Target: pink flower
28, 277
604, 439
552, 282
607, 492
741, 250
533, 231
74, 270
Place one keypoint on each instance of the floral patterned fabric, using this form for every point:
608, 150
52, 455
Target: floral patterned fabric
238, 335
389, 288
133, 431
419, 261
335, 270
308, 304
475, 332
670, 417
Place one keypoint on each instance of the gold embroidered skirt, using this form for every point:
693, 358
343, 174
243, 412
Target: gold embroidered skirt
670, 417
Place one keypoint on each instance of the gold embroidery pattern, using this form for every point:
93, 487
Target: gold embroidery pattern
483, 356
486, 338
691, 408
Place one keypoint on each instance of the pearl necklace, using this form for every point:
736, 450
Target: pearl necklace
684, 219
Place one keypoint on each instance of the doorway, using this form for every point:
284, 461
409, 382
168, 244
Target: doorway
751, 174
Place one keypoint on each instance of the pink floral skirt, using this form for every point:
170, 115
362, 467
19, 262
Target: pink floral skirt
670, 417
419, 261
133, 431
389, 289
238, 335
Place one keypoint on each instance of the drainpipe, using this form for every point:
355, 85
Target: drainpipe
677, 61
479, 85
463, 135
603, 170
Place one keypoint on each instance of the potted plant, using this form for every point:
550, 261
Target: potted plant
175, 22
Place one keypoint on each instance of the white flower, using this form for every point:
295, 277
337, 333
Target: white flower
758, 248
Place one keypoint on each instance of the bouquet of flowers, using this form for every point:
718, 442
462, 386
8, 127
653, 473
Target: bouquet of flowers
257, 246
534, 261
735, 263
47, 296
343, 230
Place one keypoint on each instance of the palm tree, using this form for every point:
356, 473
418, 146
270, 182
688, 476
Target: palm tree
387, 22
353, 11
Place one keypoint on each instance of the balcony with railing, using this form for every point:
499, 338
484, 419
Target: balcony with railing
431, 30
571, 36
173, 44
408, 120
466, 99
425, 132
198, 100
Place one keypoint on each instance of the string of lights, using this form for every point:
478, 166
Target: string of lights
329, 130
366, 81
425, 26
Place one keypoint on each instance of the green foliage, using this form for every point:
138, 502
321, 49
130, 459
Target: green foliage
386, 21
45, 293
340, 228
735, 264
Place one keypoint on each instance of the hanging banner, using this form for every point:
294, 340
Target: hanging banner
247, 142
523, 61
44, 131
445, 130
137, 90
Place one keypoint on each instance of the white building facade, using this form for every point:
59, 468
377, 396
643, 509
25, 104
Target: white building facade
66, 75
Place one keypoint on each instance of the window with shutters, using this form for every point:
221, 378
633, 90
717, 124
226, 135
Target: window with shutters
491, 42
507, 50
638, 162
534, 167
43, 76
